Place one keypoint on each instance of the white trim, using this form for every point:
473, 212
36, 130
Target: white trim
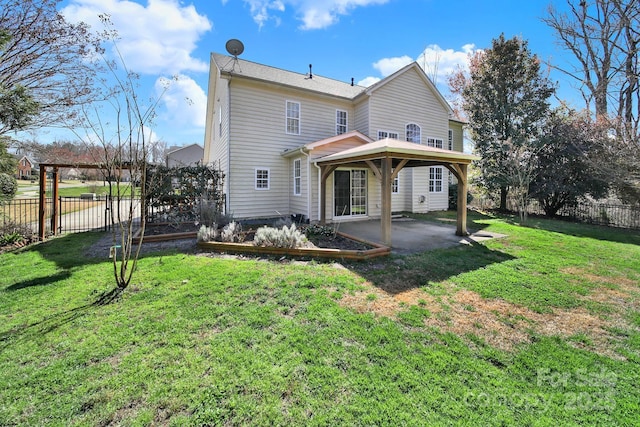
255, 179
366, 194
346, 121
435, 180
388, 134
434, 142
299, 177
396, 180
286, 117
406, 138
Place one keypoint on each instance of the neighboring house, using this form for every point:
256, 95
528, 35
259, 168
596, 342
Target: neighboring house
189, 155
301, 144
26, 168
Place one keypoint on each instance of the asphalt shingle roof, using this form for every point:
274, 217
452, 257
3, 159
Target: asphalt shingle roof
240, 67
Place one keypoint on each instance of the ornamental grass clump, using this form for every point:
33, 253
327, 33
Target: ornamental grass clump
285, 237
208, 234
232, 233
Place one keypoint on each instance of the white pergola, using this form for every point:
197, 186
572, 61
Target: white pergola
386, 158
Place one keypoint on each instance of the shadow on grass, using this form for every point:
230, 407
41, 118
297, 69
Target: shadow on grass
51, 323
68, 251
399, 274
577, 229
40, 281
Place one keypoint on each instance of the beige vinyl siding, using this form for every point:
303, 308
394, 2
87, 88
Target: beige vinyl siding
362, 116
457, 136
258, 135
406, 99
398, 201
298, 204
216, 144
403, 100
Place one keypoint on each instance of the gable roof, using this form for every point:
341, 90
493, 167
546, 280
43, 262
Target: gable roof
231, 66
384, 147
427, 81
184, 148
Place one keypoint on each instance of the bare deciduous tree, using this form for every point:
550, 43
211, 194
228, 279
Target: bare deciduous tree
125, 139
47, 58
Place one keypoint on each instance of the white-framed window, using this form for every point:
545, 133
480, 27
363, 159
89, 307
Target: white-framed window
382, 134
297, 177
220, 122
293, 117
395, 185
262, 178
435, 179
341, 122
413, 133
450, 139
434, 142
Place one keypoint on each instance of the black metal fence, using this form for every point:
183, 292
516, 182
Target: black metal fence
609, 214
74, 214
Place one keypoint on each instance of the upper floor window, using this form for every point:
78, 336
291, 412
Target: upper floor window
434, 142
293, 117
297, 177
341, 122
413, 133
382, 134
450, 139
262, 179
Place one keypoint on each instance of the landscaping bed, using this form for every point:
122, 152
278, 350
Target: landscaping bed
337, 245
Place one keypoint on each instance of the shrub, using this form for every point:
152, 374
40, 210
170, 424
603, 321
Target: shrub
12, 232
453, 197
8, 187
208, 234
285, 237
320, 231
232, 233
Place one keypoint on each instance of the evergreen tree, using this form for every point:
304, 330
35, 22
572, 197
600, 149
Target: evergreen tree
505, 98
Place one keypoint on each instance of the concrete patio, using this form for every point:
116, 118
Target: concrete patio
409, 235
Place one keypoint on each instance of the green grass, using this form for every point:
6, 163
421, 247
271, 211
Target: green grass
213, 341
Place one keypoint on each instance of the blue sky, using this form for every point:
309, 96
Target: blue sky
363, 39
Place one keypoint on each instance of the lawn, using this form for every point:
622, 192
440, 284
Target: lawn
541, 327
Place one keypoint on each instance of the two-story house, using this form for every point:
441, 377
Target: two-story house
301, 144
25, 168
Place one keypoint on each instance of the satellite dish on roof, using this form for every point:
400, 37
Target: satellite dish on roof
234, 47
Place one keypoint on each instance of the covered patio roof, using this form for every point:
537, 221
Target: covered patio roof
385, 158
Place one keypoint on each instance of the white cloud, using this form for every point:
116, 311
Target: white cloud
368, 81
185, 102
261, 10
440, 63
314, 14
156, 38
388, 66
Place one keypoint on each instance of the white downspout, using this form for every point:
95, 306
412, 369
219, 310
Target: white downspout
319, 186
308, 185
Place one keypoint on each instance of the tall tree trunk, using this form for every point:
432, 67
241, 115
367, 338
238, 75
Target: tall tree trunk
503, 199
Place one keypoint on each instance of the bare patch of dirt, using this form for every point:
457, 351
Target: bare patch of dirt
505, 325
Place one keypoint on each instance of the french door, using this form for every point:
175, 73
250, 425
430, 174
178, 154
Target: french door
350, 192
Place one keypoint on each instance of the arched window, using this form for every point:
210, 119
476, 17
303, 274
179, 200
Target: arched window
413, 133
